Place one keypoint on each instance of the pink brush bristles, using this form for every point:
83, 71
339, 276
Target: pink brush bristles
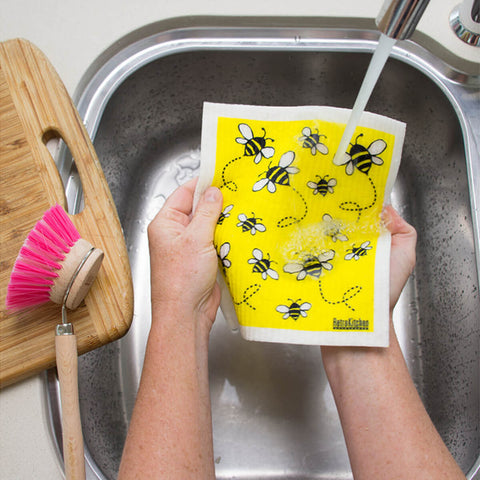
39, 259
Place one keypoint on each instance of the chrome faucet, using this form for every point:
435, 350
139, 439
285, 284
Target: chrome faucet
398, 18
465, 21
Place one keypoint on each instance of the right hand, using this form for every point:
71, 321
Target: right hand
402, 262
402, 255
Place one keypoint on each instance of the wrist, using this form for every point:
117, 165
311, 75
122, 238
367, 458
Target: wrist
177, 345
178, 319
197, 307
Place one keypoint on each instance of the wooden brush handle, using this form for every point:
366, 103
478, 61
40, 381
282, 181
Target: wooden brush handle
34, 108
67, 366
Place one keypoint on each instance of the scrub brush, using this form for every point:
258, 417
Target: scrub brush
56, 264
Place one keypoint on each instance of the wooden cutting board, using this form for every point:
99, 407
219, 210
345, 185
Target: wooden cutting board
34, 107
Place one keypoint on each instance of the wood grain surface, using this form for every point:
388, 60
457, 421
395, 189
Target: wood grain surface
34, 107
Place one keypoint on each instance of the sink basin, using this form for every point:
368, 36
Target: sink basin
273, 412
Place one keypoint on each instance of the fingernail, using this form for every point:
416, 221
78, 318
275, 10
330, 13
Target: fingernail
212, 194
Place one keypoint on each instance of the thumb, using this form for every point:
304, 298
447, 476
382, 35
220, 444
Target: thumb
402, 256
206, 214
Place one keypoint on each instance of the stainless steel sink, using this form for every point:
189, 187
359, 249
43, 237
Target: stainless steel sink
273, 412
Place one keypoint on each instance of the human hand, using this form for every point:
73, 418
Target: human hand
402, 255
402, 262
387, 430
182, 256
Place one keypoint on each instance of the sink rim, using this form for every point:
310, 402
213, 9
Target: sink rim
99, 85
104, 82
456, 86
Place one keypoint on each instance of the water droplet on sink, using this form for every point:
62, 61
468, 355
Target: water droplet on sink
229, 395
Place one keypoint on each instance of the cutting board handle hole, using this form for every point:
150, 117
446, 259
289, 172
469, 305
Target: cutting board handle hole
67, 170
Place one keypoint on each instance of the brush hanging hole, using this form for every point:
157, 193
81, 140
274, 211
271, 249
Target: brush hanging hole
67, 170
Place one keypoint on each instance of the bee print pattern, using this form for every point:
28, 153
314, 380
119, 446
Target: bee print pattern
225, 214
347, 295
312, 141
248, 294
362, 158
254, 146
357, 252
262, 265
250, 224
315, 186
277, 175
223, 253
332, 229
294, 310
323, 186
312, 265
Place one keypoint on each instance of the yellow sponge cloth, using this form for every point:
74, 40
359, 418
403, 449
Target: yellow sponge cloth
302, 250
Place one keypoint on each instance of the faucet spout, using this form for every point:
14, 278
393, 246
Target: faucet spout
399, 18
465, 22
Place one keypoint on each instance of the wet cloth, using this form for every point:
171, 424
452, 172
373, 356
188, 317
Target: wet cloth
303, 255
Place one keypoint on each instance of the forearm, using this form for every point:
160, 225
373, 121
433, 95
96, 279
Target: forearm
170, 433
387, 430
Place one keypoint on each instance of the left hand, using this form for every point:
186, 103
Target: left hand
182, 256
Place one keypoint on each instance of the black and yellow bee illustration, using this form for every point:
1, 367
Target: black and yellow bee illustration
225, 214
323, 186
312, 141
357, 252
295, 309
311, 265
251, 224
362, 158
332, 228
278, 175
223, 253
254, 146
262, 265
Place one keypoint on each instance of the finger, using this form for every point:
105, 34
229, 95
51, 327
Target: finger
402, 260
206, 214
395, 223
182, 198
404, 235
178, 206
